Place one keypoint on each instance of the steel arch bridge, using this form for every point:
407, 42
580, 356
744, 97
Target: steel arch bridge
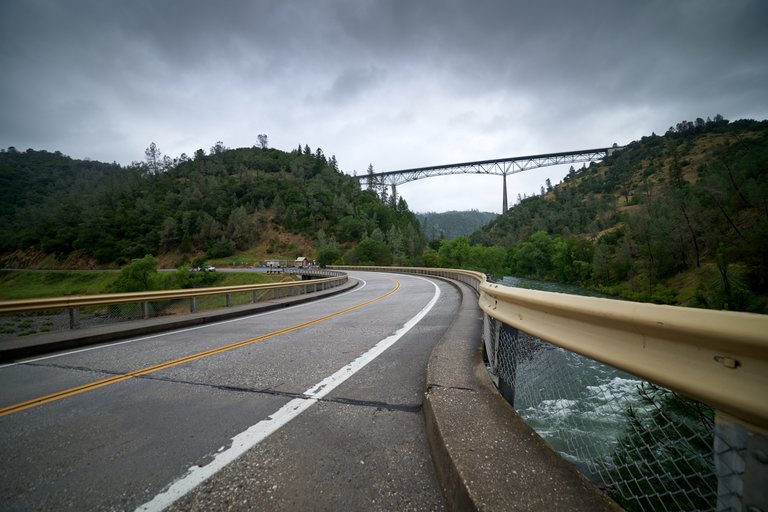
500, 167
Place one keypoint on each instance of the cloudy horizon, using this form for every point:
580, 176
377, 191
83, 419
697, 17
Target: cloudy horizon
394, 84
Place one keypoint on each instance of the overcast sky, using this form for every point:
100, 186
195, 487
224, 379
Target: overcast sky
397, 84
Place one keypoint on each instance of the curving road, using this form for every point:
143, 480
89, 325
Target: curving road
314, 407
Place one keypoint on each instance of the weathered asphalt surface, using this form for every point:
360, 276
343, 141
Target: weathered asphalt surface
116, 447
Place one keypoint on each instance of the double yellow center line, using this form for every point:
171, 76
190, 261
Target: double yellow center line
175, 362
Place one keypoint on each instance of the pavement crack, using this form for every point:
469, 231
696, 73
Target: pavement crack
412, 408
228, 387
459, 388
379, 405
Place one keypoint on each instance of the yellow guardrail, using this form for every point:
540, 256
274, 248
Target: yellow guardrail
470, 277
717, 357
76, 301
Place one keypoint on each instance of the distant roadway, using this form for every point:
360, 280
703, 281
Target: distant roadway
312, 407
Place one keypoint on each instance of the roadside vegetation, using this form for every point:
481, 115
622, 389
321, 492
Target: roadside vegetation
139, 275
453, 224
30, 284
246, 203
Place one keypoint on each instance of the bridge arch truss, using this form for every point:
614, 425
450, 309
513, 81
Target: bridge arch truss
500, 167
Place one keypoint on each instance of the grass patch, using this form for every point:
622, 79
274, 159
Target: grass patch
31, 284
686, 283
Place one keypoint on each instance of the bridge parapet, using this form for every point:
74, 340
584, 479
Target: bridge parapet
667, 449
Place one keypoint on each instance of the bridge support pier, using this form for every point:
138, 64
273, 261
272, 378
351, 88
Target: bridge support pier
504, 200
741, 464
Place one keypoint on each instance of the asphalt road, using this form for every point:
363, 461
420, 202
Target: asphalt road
314, 407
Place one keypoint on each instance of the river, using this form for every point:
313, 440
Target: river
576, 405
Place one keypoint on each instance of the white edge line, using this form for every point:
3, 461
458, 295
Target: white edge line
256, 433
179, 331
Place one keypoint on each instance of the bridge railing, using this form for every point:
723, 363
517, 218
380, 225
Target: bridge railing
685, 428
32, 316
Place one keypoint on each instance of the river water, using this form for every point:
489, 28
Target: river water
574, 403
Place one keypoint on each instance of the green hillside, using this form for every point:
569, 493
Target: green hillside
248, 203
680, 218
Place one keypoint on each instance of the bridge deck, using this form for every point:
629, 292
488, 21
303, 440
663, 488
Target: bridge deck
498, 166
514, 159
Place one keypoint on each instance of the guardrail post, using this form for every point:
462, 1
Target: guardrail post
193, 305
229, 300
74, 318
756, 472
145, 310
255, 296
741, 465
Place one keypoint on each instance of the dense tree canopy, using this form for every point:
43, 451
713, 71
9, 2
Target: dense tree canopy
219, 203
453, 224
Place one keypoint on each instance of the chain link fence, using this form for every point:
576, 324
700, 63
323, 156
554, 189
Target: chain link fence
646, 447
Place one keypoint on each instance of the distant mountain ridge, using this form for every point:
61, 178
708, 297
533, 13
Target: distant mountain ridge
452, 224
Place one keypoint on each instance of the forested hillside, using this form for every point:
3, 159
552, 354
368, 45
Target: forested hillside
259, 201
680, 218
448, 225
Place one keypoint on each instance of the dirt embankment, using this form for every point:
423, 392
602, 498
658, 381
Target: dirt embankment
30, 259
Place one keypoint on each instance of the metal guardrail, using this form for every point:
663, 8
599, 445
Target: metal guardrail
104, 302
719, 358
469, 277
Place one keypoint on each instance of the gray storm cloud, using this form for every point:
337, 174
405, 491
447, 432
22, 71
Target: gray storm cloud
393, 83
